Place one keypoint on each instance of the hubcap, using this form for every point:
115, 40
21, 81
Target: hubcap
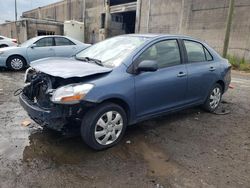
16, 63
215, 98
108, 128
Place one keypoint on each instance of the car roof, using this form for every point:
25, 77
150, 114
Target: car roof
159, 35
43, 36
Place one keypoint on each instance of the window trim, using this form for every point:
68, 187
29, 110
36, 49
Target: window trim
66, 39
132, 68
203, 47
53, 42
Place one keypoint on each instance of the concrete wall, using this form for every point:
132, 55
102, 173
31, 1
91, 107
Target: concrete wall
73, 10
12, 30
94, 9
61, 11
26, 29
201, 19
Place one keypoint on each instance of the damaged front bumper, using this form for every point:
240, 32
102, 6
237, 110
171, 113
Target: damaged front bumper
55, 117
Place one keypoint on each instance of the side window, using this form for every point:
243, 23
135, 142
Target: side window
166, 53
195, 51
60, 41
208, 55
48, 41
1, 38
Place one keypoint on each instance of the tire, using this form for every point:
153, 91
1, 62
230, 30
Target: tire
3, 46
214, 98
16, 63
99, 136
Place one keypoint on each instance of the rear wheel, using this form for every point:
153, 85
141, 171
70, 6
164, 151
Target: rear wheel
213, 99
103, 126
16, 63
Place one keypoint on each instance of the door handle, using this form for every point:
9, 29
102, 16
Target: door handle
212, 69
181, 74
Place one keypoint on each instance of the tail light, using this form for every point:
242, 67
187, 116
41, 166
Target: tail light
14, 40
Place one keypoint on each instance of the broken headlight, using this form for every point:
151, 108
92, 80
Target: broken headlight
71, 94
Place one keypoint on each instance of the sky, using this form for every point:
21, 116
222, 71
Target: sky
7, 7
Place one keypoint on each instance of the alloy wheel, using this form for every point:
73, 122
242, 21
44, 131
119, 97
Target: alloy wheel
108, 128
16, 63
215, 98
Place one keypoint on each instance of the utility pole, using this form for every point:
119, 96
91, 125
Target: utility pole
17, 34
228, 27
107, 18
15, 11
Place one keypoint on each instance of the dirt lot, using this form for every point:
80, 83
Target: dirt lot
191, 148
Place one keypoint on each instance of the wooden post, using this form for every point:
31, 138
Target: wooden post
228, 27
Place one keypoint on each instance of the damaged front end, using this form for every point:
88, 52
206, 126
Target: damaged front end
36, 99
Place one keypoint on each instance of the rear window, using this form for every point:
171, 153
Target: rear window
60, 41
196, 52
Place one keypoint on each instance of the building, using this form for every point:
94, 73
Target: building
28, 27
201, 19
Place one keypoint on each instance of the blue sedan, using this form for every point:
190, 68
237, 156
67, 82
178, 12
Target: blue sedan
17, 58
122, 81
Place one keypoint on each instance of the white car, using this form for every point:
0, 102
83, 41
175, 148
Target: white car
5, 42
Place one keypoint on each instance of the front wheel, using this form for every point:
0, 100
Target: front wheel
213, 99
103, 126
16, 63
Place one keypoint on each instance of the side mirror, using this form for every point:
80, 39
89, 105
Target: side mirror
147, 66
32, 46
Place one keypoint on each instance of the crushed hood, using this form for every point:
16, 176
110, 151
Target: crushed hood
67, 67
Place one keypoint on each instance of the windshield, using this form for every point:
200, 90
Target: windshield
112, 52
28, 42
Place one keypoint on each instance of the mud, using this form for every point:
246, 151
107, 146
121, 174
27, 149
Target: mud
190, 148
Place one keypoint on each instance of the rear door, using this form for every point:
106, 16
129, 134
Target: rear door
202, 71
165, 88
44, 48
64, 47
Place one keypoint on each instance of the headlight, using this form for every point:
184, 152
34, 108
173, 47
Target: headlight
71, 94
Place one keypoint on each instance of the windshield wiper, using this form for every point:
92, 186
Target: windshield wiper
88, 59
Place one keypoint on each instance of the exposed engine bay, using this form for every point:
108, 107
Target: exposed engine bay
38, 89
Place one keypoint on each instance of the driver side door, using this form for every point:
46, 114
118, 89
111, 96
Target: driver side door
41, 49
165, 88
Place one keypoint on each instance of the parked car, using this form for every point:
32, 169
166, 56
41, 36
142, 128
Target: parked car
17, 58
6, 42
122, 81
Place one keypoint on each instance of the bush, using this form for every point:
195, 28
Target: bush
239, 63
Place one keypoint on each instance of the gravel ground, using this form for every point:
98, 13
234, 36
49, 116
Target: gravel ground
190, 148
